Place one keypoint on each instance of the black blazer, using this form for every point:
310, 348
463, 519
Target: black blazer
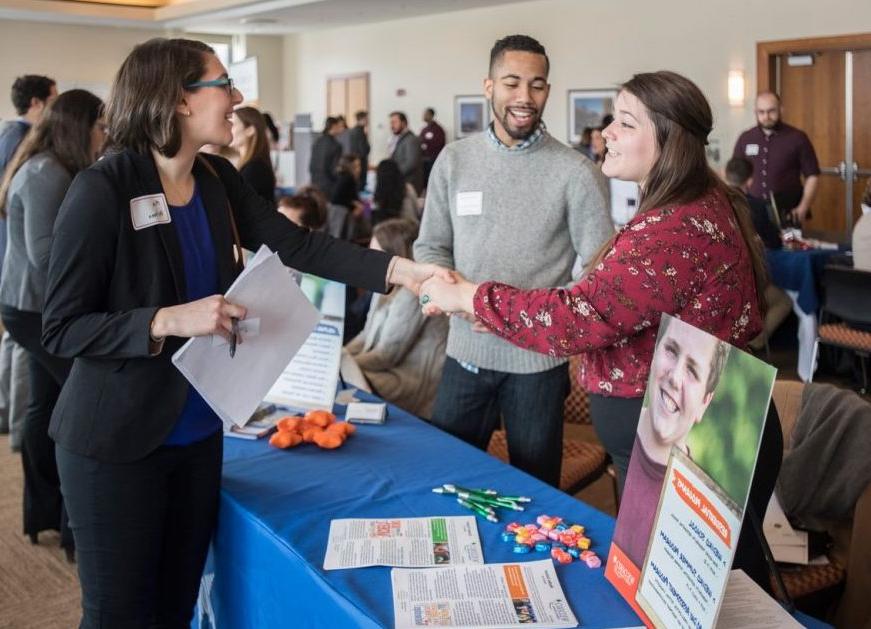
106, 281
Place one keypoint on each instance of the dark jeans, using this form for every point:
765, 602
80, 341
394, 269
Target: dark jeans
616, 422
469, 405
43, 506
142, 532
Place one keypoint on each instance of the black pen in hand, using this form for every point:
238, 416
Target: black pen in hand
234, 335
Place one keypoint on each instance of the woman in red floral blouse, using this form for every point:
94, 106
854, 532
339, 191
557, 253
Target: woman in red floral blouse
690, 251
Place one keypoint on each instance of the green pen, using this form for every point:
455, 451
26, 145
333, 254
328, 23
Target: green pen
489, 515
517, 498
494, 501
480, 492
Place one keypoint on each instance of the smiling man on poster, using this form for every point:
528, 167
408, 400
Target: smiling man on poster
685, 373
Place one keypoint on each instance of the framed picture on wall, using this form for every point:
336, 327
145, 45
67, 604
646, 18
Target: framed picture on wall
471, 115
586, 109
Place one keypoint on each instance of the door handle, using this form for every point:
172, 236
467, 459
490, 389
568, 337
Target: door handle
842, 170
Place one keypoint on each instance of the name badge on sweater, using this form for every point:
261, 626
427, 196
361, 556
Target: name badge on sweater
751, 149
470, 203
149, 211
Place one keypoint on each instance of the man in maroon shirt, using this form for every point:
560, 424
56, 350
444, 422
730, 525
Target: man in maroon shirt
781, 155
432, 141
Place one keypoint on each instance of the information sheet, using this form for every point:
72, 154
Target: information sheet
686, 569
404, 542
494, 595
309, 380
747, 606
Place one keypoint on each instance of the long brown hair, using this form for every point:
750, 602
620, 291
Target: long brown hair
64, 131
146, 91
682, 120
258, 148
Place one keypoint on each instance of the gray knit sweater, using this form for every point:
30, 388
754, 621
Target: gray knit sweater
538, 208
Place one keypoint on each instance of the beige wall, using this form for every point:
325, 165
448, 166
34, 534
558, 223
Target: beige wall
591, 45
270, 70
89, 56
80, 56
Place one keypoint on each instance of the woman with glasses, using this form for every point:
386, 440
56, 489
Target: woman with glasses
251, 144
67, 139
145, 245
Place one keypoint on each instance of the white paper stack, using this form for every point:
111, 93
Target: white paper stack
234, 387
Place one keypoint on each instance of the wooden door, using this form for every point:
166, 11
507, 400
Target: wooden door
831, 101
813, 101
337, 95
861, 126
347, 94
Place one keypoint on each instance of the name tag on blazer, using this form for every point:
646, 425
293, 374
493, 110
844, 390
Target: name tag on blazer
751, 150
149, 211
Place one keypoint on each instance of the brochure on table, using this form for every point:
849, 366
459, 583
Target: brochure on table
309, 380
404, 542
495, 595
689, 476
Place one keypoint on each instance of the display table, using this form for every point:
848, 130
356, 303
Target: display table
276, 506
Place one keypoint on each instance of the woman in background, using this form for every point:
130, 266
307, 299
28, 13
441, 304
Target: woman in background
67, 139
393, 198
251, 143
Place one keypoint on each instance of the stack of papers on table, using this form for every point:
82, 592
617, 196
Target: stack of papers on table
279, 320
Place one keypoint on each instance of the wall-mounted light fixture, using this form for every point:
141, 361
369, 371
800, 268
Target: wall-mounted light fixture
736, 88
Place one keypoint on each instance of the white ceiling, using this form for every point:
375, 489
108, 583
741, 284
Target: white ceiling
238, 16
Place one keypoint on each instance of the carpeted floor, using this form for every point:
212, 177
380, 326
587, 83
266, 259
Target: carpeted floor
38, 588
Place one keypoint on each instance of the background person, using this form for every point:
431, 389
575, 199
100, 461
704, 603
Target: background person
251, 143
784, 161
325, 155
31, 94
862, 234
393, 197
304, 210
406, 151
67, 139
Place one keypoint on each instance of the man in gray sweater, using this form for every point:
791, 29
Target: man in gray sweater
513, 205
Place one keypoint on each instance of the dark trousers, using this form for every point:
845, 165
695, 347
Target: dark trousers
468, 405
43, 506
616, 422
142, 532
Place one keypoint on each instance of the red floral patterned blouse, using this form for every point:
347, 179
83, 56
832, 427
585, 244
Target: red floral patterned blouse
689, 261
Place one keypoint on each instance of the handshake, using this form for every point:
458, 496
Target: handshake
440, 290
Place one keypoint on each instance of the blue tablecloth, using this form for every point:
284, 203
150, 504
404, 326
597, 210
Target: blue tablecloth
276, 508
799, 271
265, 569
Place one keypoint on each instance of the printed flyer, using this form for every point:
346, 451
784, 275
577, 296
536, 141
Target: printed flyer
687, 566
491, 596
706, 400
309, 380
406, 542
